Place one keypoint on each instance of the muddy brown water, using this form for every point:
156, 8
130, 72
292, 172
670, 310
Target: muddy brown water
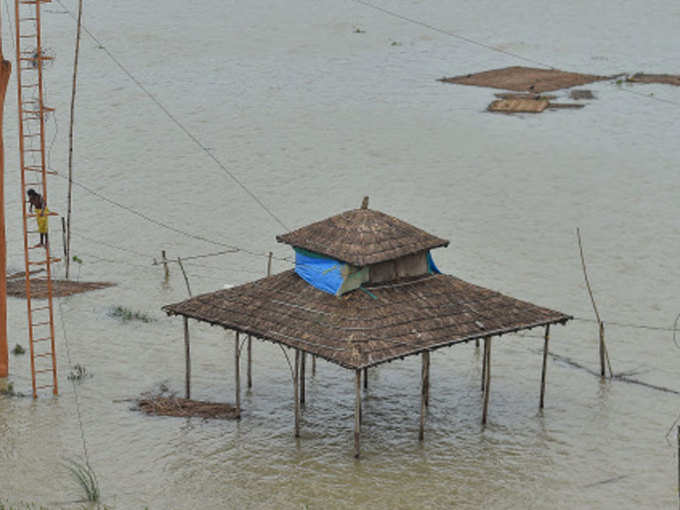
312, 116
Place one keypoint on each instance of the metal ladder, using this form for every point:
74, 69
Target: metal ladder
32, 112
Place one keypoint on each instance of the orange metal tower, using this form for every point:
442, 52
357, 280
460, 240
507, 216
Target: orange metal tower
30, 60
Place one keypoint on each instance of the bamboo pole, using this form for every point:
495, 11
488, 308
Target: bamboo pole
487, 355
545, 364
296, 379
187, 361
313, 365
357, 413
237, 374
184, 273
365, 378
5, 71
67, 247
679, 464
250, 359
303, 370
269, 264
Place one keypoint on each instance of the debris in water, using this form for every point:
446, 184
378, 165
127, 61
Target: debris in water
16, 287
668, 79
161, 405
579, 94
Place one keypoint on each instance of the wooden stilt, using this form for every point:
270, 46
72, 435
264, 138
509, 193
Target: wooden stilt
365, 378
303, 370
484, 366
313, 365
237, 374
187, 361
423, 385
487, 355
545, 363
357, 413
427, 378
165, 265
296, 380
477, 343
249, 369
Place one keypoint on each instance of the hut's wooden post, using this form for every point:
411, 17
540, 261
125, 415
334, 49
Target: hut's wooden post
237, 374
313, 365
357, 413
303, 370
249, 371
545, 363
423, 393
427, 378
296, 379
484, 366
487, 355
187, 361
602, 373
477, 343
365, 378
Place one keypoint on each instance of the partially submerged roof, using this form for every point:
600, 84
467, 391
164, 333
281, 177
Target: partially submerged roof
361, 237
525, 79
368, 326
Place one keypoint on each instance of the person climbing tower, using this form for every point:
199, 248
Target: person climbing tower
37, 204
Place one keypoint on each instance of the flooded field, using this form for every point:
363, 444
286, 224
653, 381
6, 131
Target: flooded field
311, 106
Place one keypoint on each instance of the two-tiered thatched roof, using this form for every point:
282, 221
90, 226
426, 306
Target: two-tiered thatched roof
373, 324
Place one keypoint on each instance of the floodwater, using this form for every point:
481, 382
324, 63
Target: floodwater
311, 116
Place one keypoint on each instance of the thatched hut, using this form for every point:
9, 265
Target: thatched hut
365, 291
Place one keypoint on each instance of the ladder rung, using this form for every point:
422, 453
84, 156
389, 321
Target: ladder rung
27, 19
40, 323
43, 262
33, 215
38, 169
35, 58
40, 309
41, 339
27, 36
43, 371
44, 386
44, 355
29, 85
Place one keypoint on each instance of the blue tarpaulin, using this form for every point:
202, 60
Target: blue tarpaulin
321, 272
431, 267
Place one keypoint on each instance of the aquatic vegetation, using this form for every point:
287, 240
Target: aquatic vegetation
126, 315
18, 349
78, 373
86, 478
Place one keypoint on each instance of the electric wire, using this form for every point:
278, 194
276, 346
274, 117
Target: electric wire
177, 122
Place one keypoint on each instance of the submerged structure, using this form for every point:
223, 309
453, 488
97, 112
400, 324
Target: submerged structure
365, 291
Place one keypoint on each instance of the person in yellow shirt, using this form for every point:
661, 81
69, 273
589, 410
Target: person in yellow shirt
37, 203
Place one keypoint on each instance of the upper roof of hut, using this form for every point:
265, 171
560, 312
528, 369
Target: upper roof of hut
361, 237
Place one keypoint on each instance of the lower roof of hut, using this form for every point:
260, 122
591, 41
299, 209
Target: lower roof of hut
366, 327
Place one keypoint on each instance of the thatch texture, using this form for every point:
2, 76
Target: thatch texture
668, 79
519, 105
361, 237
16, 287
365, 327
525, 79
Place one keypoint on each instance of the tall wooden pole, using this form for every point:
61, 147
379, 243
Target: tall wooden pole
187, 361
545, 363
427, 378
237, 374
70, 138
5, 70
365, 378
602, 372
296, 379
487, 355
313, 365
357, 413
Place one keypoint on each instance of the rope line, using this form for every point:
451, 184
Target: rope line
75, 391
176, 121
